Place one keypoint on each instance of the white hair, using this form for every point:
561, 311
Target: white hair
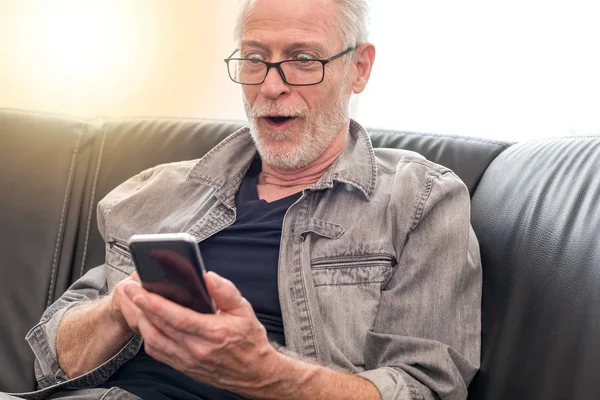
353, 21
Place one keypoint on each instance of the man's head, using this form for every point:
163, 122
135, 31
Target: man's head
293, 125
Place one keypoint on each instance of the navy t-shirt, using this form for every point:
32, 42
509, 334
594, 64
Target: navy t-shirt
246, 253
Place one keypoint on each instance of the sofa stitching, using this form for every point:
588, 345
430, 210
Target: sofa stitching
62, 221
92, 198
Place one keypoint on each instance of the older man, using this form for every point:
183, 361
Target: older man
353, 273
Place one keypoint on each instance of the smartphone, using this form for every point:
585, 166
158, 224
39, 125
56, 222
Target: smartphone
170, 265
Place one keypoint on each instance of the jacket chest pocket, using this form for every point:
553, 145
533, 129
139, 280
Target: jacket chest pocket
352, 270
349, 290
118, 262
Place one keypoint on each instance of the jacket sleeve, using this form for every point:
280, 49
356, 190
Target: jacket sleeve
425, 343
42, 337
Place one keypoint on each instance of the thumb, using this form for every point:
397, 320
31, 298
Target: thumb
226, 296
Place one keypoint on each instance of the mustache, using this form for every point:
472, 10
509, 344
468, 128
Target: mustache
272, 109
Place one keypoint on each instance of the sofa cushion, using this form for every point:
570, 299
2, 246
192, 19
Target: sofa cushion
468, 157
43, 163
537, 216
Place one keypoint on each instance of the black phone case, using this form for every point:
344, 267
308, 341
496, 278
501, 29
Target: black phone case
173, 269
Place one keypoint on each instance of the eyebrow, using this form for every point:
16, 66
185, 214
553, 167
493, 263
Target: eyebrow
288, 48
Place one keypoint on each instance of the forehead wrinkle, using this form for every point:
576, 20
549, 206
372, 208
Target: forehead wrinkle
282, 27
313, 21
287, 44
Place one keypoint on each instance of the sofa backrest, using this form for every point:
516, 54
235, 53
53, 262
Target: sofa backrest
54, 170
43, 166
536, 213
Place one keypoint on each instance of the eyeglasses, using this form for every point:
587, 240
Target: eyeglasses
247, 71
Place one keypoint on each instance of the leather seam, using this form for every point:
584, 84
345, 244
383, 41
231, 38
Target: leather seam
62, 221
91, 204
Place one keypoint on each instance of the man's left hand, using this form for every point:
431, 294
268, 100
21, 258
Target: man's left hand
229, 349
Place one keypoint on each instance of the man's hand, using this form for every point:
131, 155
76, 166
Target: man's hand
229, 349
122, 308
81, 346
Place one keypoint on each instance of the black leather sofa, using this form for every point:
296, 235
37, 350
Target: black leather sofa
535, 209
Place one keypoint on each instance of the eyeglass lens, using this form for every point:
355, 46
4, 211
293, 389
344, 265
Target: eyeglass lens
296, 72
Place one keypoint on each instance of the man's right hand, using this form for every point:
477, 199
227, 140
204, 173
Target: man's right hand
122, 309
90, 334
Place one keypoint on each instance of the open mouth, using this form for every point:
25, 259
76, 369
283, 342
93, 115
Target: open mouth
278, 121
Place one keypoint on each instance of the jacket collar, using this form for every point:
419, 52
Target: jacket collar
224, 166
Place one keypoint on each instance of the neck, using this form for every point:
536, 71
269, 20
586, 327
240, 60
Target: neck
276, 183
308, 174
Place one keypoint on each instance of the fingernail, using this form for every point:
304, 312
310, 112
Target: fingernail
129, 290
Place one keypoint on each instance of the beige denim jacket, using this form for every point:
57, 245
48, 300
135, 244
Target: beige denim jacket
379, 268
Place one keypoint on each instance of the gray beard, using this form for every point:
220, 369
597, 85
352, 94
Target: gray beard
313, 143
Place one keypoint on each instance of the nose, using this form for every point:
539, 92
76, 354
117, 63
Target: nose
274, 86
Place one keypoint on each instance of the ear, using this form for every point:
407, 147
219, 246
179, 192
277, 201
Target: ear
363, 65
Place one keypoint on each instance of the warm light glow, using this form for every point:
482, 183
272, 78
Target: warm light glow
81, 38
118, 57
514, 70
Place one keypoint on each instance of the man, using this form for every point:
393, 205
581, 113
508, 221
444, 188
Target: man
353, 273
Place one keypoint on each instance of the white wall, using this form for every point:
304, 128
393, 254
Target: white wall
512, 69
118, 57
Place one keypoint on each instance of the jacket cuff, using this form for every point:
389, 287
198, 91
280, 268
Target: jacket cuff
390, 384
395, 384
42, 340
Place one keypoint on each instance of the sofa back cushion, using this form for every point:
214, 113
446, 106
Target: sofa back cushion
536, 213
43, 165
468, 157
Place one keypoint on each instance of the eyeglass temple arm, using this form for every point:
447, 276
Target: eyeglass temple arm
343, 53
229, 56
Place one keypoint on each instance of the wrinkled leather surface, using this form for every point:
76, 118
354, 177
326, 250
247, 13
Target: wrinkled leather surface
38, 154
536, 213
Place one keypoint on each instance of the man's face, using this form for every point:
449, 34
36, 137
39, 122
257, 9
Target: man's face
293, 125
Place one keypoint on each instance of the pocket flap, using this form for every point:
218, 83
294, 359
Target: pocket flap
319, 227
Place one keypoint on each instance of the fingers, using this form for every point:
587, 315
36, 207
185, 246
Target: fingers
164, 312
135, 277
179, 322
168, 349
123, 308
156, 344
131, 313
227, 297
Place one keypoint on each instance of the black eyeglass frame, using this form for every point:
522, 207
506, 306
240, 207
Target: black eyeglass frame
280, 70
